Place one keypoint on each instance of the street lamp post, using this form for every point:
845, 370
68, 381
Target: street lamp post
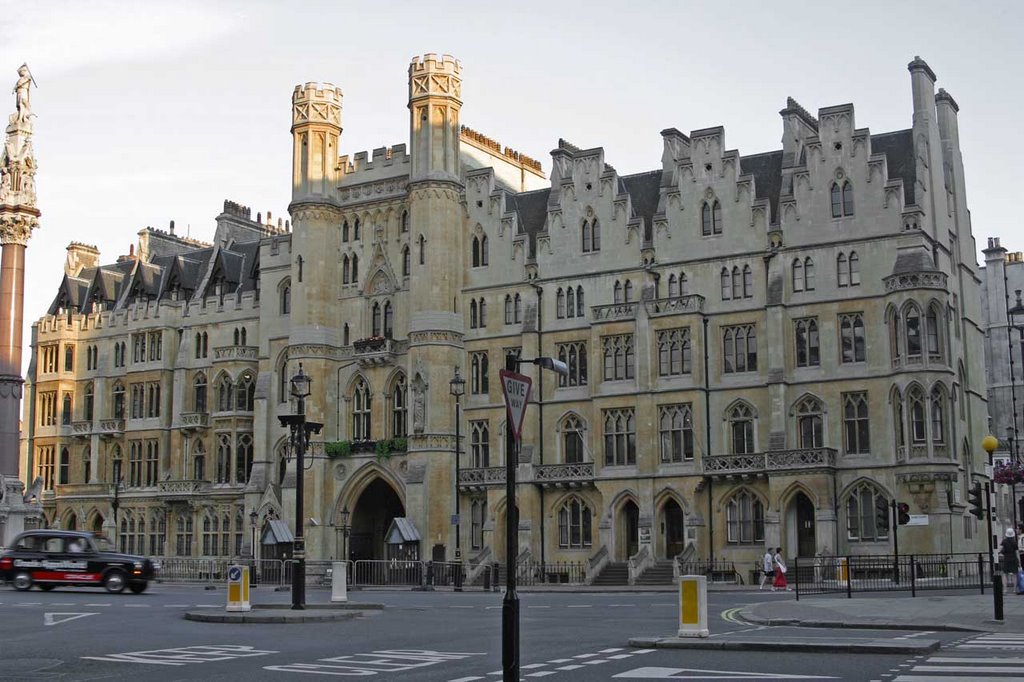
1015, 316
116, 504
510, 603
253, 516
300, 429
989, 444
344, 533
457, 387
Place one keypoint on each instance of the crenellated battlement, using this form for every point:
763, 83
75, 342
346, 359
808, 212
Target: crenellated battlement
496, 147
316, 103
382, 157
82, 246
430, 63
236, 209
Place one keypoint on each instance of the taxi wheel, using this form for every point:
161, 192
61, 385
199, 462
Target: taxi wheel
114, 582
22, 582
138, 588
46, 587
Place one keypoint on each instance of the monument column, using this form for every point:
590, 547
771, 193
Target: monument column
18, 217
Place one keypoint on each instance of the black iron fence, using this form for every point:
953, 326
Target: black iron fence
888, 573
716, 571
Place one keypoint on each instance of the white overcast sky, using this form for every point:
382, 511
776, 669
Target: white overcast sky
149, 112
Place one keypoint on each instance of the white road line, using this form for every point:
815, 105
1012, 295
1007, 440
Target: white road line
609, 651
581, 606
543, 673
175, 606
945, 678
585, 656
560, 660
208, 606
961, 669
63, 603
532, 666
462, 607
617, 657
538, 607
30, 603
570, 667
467, 679
949, 659
105, 604
137, 606
643, 651
597, 661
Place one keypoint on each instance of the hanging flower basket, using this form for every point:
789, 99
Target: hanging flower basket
1009, 474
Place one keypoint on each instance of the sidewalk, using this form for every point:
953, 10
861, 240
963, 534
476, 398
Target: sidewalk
968, 612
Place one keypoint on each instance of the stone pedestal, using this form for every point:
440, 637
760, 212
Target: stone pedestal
15, 514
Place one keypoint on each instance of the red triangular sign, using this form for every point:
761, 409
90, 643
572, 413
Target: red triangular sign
516, 389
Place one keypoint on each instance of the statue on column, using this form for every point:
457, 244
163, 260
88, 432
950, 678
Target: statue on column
21, 91
17, 161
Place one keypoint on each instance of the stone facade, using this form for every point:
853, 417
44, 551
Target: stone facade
763, 350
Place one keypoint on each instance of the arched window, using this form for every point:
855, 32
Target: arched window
361, 410
808, 274
376, 320
570, 303
917, 415
932, 333
198, 462
399, 408
842, 270
89, 403
628, 291
344, 231
716, 218
837, 201
236, 337
855, 424
913, 320
726, 285
560, 303
847, 199
748, 282
673, 286
65, 410
852, 338
224, 458
405, 221
508, 309
423, 249
355, 230
355, 267
705, 219
741, 427
597, 234
867, 514
472, 313
245, 392
477, 260
684, 284
808, 352
483, 313
478, 515
899, 424
798, 275
243, 459
809, 423
345, 270
69, 359
483, 251
737, 282
480, 444
406, 262
225, 394
519, 308
286, 298
938, 414
572, 440
199, 393
118, 400
744, 519
574, 525
854, 269
344, 342
617, 292
64, 467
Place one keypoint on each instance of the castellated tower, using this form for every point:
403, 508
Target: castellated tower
437, 226
315, 318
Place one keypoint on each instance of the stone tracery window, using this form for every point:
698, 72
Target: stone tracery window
741, 429
575, 526
744, 518
866, 507
361, 410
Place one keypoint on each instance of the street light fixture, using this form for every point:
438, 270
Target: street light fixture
116, 504
1015, 316
510, 604
300, 429
344, 532
457, 387
989, 444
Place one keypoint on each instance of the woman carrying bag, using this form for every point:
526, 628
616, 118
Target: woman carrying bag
780, 572
1009, 558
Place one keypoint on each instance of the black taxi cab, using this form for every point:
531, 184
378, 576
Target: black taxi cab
51, 558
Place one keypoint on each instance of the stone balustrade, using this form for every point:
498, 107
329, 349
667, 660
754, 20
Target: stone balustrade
236, 353
675, 305
481, 477
564, 475
111, 427
614, 312
761, 463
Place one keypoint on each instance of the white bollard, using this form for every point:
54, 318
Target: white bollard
693, 606
339, 582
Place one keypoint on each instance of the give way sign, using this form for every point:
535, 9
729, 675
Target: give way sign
516, 389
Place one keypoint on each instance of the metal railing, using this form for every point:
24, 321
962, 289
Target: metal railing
389, 572
887, 573
716, 571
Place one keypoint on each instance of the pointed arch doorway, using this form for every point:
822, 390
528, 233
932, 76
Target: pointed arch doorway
801, 517
674, 533
378, 505
629, 530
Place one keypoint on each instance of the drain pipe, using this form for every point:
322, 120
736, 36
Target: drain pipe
540, 413
707, 439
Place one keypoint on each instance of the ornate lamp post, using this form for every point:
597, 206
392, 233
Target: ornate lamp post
115, 505
300, 430
252, 529
457, 387
989, 444
1015, 316
344, 533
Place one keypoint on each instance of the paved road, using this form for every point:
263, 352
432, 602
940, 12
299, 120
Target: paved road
79, 634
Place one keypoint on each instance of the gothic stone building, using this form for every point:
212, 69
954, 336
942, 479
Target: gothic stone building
762, 349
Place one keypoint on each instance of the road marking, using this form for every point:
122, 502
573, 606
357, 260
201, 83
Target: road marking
597, 661
656, 673
184, 655
581, 606
58, 618
538, 607
560, 660
463, 607
585, 656
947, 659
175, 606
63, 603
107, 604
609, 651
532, 666
543, 673
373, 663
618, 657
570, 667
137, 606
468, 679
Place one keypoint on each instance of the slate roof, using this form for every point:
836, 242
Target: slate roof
532, 208
767, 171
898, 148
644, 192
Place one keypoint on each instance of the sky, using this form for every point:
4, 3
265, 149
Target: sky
150, 112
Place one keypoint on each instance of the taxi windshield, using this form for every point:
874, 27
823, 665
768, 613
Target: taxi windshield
102, 544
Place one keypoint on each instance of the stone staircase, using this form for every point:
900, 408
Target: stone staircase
658, 574
614, 573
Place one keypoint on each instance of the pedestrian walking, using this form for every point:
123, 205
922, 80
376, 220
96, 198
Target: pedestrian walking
779, 583
767, 567
1009, 558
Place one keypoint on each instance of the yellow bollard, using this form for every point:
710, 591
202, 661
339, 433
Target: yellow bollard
238, 588
693, 606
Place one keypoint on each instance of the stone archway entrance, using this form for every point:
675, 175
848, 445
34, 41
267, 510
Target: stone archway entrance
674, 533
629, 530
376, 508
801, 515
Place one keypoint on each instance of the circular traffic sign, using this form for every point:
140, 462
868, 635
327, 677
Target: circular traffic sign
234, 573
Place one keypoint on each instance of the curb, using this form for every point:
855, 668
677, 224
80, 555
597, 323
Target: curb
860, 624
343, 606
306, 616
876, 647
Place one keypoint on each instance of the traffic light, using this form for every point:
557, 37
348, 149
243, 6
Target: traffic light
974, 496
882, 515
902, 513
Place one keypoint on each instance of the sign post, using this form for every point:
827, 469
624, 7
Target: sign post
238, 588
515, 388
